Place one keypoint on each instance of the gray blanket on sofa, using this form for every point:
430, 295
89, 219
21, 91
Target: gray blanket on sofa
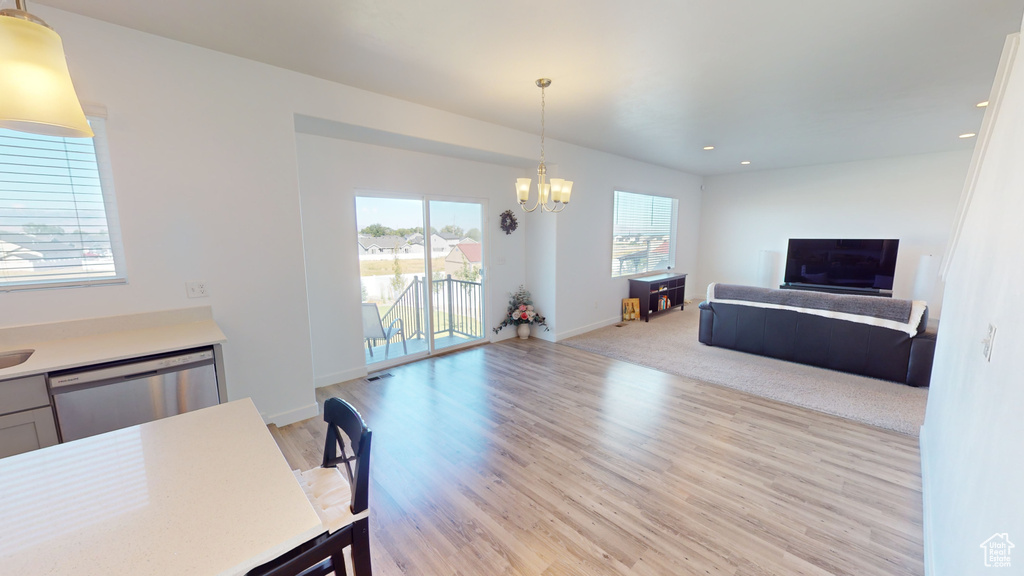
884, 308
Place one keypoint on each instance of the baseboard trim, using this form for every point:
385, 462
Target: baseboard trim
293, 416
545, 335
583, 330
342, 376
926, 507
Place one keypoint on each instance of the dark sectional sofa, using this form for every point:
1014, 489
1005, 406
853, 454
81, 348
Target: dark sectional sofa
882, 338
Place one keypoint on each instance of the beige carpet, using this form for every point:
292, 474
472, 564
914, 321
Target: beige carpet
669, 343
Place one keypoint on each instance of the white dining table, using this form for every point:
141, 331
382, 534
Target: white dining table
204, 492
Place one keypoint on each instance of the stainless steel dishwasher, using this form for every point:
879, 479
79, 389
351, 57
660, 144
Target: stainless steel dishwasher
105, 397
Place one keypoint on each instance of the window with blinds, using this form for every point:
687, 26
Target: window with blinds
58, 219
643, 233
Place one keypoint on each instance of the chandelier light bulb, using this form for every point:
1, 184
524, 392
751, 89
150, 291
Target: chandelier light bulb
523, 189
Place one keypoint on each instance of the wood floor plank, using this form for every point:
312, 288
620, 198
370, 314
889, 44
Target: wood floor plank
530, 458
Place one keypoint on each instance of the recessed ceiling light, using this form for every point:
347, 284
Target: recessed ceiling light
745, 162
982, 104
968, 135
709, 147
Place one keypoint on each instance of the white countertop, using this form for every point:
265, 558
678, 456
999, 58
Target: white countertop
205, 492
83, 342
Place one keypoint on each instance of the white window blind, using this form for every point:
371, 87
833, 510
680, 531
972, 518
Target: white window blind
643, 233
58, 218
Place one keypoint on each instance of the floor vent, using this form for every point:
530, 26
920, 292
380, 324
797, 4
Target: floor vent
620, 325
376, 377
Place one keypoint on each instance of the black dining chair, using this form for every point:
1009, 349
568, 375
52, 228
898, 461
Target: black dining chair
339, 492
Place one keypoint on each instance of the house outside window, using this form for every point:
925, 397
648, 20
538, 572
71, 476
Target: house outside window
643, 233
58, 215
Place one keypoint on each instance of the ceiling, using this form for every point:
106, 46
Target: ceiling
780, 84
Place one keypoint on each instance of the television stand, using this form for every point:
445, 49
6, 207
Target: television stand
658, 293
838, 290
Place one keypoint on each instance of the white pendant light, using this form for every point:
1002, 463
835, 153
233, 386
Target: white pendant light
556, 191
36, 93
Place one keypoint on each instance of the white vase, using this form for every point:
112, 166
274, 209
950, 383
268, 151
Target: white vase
523, 330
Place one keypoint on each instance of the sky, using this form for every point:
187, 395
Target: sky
405, 213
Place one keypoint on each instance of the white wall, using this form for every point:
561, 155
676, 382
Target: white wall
203, 149
587, 295
542, 262
912, 198
971, 440
330, 172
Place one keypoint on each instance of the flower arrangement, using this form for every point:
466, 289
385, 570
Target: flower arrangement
520, 311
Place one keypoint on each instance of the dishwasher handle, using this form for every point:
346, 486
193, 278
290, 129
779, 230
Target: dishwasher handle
145, 374
130, 370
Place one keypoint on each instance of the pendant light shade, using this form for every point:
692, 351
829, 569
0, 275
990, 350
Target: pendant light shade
36, 94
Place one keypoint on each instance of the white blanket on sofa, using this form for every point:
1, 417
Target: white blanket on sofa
910, 327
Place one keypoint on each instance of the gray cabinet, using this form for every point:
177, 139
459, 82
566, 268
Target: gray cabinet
26, 419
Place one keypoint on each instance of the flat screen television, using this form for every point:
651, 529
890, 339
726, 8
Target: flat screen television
860, 264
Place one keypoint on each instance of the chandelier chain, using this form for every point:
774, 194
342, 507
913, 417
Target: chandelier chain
542, 124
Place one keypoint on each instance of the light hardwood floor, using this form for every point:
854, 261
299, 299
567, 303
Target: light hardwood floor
531, 458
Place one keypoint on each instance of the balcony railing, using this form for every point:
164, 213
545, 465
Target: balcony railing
457, 305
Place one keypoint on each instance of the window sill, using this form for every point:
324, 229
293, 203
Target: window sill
670, 269
70, 284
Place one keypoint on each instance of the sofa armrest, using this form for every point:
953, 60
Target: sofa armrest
707, 319
922, 353
922, 327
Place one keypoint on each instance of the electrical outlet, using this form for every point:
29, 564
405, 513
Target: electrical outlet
197, 289
989, 342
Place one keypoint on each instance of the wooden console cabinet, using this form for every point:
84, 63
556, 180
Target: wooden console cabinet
651, 289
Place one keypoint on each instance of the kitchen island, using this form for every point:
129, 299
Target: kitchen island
204, 492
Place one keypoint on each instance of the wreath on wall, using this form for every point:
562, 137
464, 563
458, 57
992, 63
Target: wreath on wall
508, 222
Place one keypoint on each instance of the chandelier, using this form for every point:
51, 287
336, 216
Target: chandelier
552, 195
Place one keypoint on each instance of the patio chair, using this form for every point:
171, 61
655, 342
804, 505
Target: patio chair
373, 329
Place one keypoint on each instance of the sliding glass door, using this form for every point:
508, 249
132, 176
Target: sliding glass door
457, 286
392, 269
421, 270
